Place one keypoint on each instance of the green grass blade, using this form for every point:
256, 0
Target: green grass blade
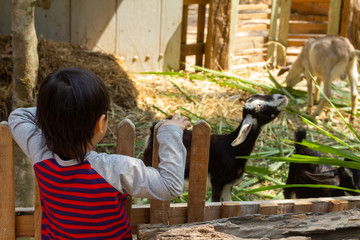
330, 135
332, 105
265, 188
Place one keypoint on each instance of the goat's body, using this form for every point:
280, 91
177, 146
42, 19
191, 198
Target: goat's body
327, 58
307, 173
217, 168
224, 168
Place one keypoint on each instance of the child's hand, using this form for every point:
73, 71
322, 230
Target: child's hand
180, 121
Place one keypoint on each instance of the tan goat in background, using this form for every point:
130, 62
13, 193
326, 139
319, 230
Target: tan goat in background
327, 58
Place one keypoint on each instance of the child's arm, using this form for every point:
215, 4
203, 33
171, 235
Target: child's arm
130, 175
27, 135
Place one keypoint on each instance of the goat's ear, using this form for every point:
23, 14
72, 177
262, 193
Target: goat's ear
244, 130
322, 177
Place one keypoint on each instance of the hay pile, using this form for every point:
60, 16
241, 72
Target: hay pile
55, 55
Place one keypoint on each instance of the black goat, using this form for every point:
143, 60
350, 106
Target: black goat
224, 169
307, 173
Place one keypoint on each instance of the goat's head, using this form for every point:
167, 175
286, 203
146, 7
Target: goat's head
258, 111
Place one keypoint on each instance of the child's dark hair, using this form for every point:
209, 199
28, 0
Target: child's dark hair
70, 102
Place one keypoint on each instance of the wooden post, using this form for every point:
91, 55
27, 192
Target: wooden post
184, 25
285, 11
159, 210
334, 17
221, 34
125, 145
37, 212
350, 21
200, 31
7, 190
199, 162
272, 30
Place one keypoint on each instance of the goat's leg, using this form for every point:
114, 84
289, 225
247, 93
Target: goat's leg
309, 84
226, 193
323, 102
353, 80
316, 90
216, 192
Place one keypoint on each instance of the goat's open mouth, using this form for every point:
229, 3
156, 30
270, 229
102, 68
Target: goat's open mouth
283, 104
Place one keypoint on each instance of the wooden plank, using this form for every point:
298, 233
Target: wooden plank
193, 49
140, 214
272, 29
52, 20
310, 1
285, 10
309, 18
221, 34
138, 34
249, 208
320, 206
170, 35
7, 192
37, 212
310, 8
230, 209
201, 2
292, 42
252, 27
24, 226
125, 145
212, 211
268, 208
308, 28
259, 6
337, 205
159, 210
200, 32
304, 36
302, 206
354, 202
93, 28
184, 27
199, 161
334, 17
247, 16
178, 213
285, 207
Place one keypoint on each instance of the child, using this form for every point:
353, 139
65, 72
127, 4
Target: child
83, 192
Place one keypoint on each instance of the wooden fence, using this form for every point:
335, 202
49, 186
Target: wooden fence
288, 22
27, 222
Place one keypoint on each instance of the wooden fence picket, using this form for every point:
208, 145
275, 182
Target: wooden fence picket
125, 145
199, 161
7, 192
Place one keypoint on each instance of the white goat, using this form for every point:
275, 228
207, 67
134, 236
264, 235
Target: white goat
327, 58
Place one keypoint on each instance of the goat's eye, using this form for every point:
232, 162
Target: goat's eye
257, 108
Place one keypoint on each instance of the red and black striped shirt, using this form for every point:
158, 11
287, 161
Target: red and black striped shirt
77, 203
